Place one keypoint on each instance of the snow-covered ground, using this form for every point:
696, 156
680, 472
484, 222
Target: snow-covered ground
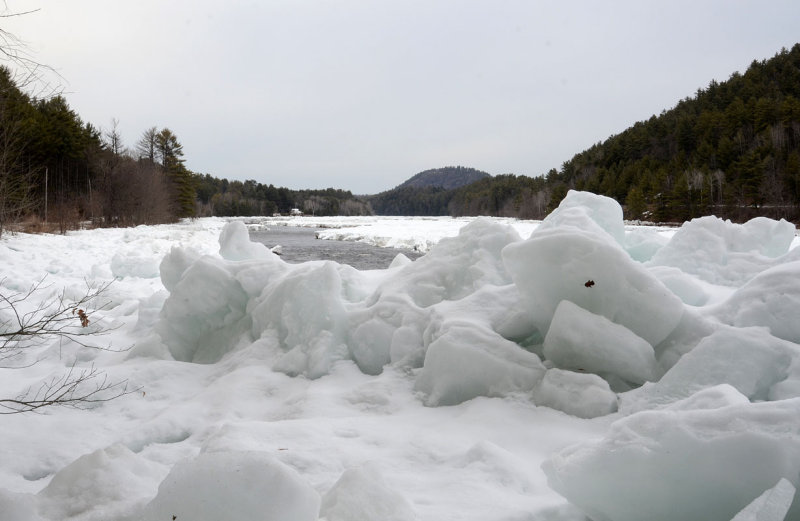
518, 371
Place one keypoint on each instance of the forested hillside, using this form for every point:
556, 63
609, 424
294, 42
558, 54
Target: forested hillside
426, 193
449, 178
732, 149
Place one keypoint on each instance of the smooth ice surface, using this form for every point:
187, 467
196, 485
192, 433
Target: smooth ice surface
580, 340
772, 505
467, 361
430, 390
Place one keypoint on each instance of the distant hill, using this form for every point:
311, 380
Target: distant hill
449, 177
427, 193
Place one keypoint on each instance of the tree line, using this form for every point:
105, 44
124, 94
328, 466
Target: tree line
58, 170
222, 197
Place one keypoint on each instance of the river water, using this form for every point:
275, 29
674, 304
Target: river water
301, 245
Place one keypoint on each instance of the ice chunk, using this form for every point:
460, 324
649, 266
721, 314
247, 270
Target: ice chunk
683, 285
205, 314
566, 264
371, 344
114, 475
254, 276
174, 264
748, 359
305, 307
469, 360
363, 494
682, 464
642, 243
580, 340
715, 397
721, 252
235, 244
233, 485
772, 505
771, 238
770, 299
692, 328
400, 261
790, 387
456, 267
589, 212
498, 308
579, 394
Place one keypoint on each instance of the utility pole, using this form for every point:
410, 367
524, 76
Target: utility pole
91, 206
45, 195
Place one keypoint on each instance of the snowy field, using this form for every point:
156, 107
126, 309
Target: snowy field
566, 370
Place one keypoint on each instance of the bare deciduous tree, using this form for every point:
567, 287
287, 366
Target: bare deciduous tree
147, 144
113, 138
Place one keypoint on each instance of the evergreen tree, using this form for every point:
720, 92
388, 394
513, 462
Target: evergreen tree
169, 152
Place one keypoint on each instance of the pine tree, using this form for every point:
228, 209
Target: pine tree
170, 153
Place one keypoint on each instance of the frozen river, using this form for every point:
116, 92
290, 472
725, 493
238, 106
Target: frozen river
300, 245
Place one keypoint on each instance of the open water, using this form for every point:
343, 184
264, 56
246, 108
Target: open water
301, 245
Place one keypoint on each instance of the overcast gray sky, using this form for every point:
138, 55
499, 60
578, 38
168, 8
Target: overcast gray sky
363, 94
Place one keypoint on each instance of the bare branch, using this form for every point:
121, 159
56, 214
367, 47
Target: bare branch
15, 51
77, 389
11, 15
59, 319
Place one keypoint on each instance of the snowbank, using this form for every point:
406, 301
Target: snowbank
233, 485
362, 493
